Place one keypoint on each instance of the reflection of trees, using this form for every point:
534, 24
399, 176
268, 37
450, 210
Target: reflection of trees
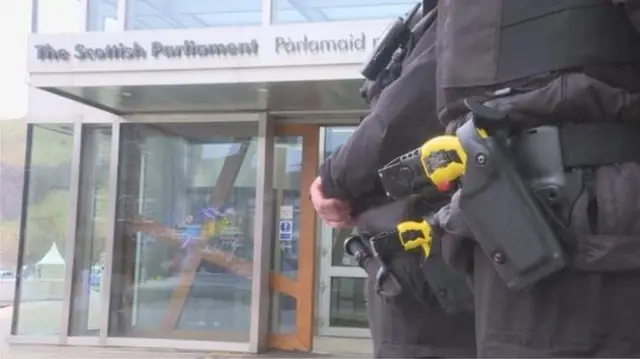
12, 146
46, 223
9, 233
48, 200
101, 221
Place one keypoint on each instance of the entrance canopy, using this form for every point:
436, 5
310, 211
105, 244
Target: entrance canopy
303, 96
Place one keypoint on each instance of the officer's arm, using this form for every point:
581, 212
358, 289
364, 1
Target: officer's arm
632, 8
402, 118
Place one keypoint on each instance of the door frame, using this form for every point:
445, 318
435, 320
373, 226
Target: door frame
302, 288
328, 270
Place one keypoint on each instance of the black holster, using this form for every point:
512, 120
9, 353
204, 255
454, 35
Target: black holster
520, 185
506, 220
449, 287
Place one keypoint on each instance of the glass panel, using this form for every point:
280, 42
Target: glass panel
295, 11
338, 256
13, 135
42, 275
49, 21
217, 302
334, 138
102, 15
184, 235
283, 314
348, 306
287, 176
91, 231
188, 14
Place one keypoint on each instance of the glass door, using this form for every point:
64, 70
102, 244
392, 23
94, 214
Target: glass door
295, 162
182, 264
342, 304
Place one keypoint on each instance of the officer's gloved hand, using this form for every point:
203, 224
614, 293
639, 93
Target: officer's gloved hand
454, 235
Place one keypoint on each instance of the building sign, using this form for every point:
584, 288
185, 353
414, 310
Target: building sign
310, 46
190, 49
136, 51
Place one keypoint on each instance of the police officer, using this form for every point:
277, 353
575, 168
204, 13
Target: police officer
551, 62
412, 323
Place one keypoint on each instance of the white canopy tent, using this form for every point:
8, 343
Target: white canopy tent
52, 265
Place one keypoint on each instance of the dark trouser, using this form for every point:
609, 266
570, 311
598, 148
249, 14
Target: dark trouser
404, 327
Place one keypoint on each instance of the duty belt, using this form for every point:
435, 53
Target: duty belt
597, 144
548, 156
446, 286
580, 144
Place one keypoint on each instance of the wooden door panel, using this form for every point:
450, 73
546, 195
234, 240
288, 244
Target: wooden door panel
301, 288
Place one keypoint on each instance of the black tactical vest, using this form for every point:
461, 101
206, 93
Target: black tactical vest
491, 42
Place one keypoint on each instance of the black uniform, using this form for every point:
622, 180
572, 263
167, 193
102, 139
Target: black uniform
579, 62
412, 324
546, 62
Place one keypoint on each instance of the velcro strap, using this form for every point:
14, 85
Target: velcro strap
599, 144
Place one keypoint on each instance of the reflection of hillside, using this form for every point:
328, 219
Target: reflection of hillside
11, 178
12, 142
43, 180
49, 181
12, 146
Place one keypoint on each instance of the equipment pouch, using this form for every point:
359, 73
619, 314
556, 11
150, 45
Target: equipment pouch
503, 214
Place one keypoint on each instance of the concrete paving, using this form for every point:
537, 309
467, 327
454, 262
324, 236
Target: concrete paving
23, 351
359, 348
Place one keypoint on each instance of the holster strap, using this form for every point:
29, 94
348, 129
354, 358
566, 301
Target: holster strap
386, 245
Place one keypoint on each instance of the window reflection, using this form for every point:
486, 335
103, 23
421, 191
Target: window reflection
283, 314
41, 290
348, 305
91, 231
48, 19
102, 15
188, 14
184, 237
334, 138
295, 11
287, 176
